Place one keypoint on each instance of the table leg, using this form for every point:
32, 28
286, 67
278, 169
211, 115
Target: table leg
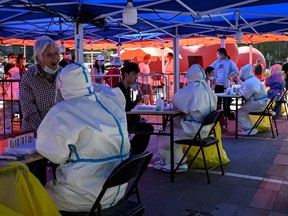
172, 147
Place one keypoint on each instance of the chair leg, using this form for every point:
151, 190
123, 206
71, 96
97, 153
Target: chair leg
285, 106
256, 124
271, 126
275, 125
190, 164
219, 156
205, 164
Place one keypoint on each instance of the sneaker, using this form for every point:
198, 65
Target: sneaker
246, 132
159, 164
182, 168
253, 132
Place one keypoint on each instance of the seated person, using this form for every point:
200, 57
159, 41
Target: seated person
11, 92
209, 72
87, 135
196, 101
276, 83
255, 97
139, 142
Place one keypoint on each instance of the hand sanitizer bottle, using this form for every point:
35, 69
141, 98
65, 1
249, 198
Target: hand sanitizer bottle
159, 103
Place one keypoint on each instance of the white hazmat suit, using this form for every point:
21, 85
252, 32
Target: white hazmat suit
255, 98
87, 135
196, 100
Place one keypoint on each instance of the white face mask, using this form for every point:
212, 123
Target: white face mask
68, 57
49, 70
211, 77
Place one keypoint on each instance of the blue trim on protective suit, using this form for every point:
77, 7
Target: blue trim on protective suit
120, 156
83, 71
122, 140
78, 159
117, 121
113, 201
210, 103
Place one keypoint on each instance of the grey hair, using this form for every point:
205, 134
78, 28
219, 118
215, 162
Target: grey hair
40, 46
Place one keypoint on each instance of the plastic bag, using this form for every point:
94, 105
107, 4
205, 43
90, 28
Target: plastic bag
264, 124
23, 194
210, 153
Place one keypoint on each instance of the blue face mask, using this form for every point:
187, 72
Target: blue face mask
49, 70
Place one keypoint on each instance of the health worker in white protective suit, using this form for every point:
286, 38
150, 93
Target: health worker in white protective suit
196, 100
87, 135
255, 98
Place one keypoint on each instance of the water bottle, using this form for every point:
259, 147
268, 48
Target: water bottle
159, 103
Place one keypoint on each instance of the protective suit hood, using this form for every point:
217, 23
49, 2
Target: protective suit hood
195, 72
246, 71
75, 81
276, 69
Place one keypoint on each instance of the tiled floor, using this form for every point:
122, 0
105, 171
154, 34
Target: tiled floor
255, 181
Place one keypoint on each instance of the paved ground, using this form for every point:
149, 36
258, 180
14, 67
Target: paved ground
255, 181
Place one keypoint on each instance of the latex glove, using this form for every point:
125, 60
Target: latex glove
239, 81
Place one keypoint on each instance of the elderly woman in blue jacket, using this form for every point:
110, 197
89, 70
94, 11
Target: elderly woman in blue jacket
276, 83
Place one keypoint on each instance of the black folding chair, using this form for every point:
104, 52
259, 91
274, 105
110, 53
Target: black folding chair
128, 171
211, 119
268, 111
282, 100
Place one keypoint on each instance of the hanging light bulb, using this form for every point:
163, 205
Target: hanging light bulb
238, 35
62, 47
129, 14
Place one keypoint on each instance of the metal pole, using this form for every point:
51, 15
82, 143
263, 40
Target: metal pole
250, 53
176, 61
79, 42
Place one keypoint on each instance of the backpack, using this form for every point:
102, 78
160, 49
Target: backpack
258, 69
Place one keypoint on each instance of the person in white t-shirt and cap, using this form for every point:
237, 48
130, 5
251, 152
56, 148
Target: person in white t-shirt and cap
145, 81
98, 70
86, 134
116, 64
